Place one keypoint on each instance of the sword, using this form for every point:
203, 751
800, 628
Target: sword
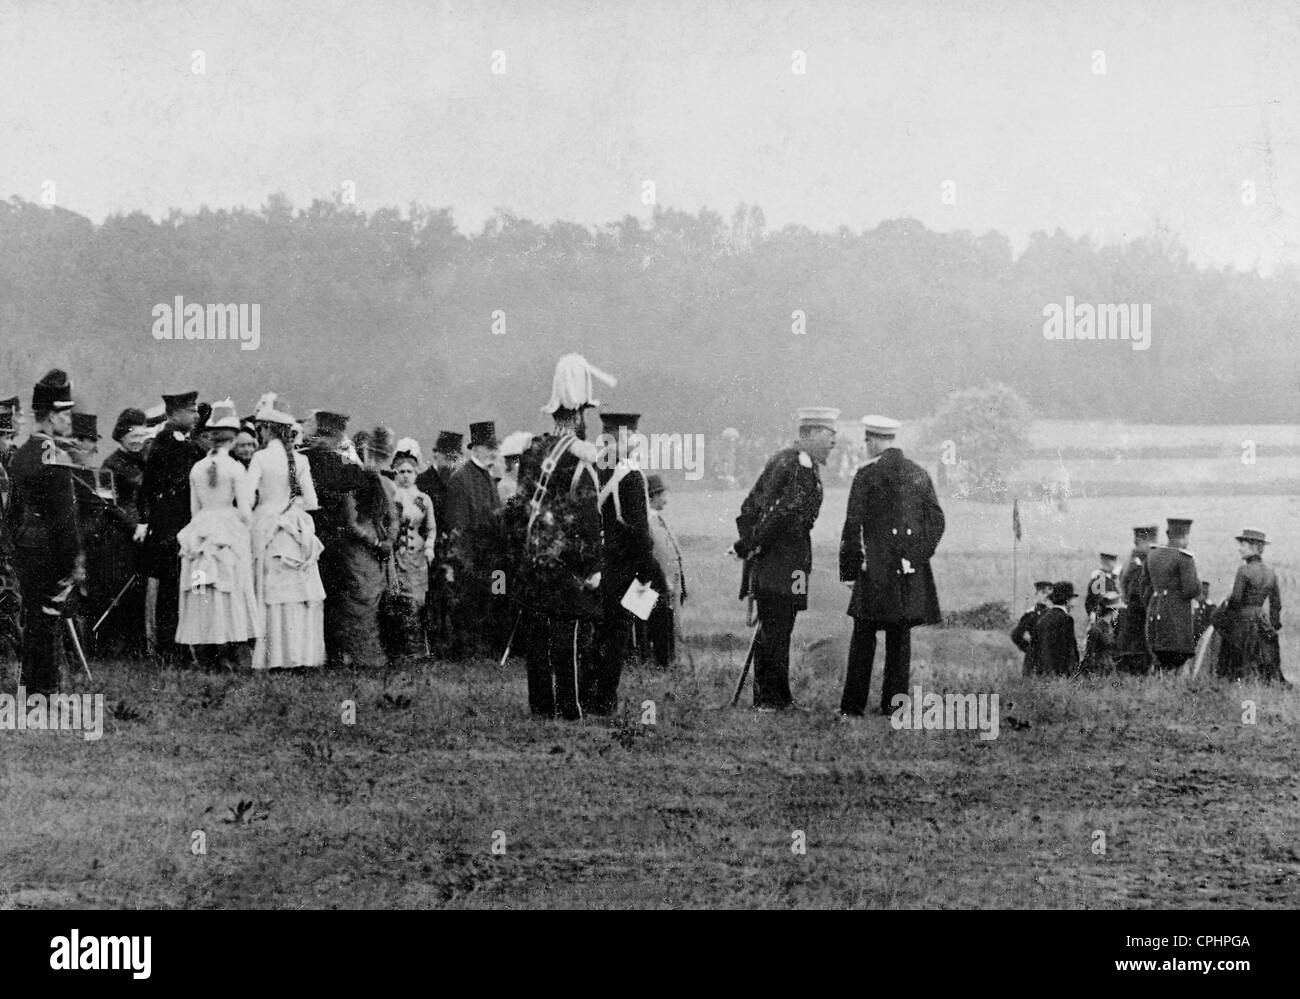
511, 640
744, 671
120, 594
76, 644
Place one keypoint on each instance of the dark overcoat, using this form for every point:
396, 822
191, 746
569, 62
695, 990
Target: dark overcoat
1058, 650
1170, 587
775, 527
164, 498
1130, 626
892, 527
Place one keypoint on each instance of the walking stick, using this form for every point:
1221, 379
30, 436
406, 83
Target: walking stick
511, 640
76, 644
744, 671
120, 594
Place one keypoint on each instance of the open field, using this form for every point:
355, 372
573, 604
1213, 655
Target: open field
400, 808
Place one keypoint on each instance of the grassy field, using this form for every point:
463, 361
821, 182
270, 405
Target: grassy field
402, 808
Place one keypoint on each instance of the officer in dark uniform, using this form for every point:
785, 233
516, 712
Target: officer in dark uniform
164, 512
891, 529
42, 523
629, 554
433, 482
1023, 633
1132, 654
1102, 583
1171, 586
775, 528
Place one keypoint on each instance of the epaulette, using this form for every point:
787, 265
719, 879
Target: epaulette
804, 460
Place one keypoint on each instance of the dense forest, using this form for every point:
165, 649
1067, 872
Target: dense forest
396, 316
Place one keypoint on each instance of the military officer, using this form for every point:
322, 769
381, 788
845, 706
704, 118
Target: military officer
164, 512
629, 554
1132, 654
1101, 583
1171, 585
42, 523
775, 528
1023, 633
891, 529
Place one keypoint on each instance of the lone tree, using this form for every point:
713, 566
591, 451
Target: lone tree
984, 432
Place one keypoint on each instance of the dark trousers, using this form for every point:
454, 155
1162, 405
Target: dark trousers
862, 657
167, 610
333, 580
557, 650
1136, 663
599, 686
44, 601
661, 633
772, 652
1169, 661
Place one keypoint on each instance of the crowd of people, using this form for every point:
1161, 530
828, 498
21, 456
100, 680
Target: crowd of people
1157, 613
273, 542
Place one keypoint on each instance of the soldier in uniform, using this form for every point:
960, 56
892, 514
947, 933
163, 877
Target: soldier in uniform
164, 512
1171, 585
1101, 583
1058, 650
629, 555
334, 479
891, 529
554, 529
1132, 654
42, 523
1023, 633
1251, 650
473, 550
775, 528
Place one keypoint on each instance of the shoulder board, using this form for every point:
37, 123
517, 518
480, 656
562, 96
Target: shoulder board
804, 460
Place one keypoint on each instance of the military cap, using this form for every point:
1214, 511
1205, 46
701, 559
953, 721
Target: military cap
613, 422
13, 404
1146, 533
817, 416
1062, 591
449, 442
1043, 584
880, 426
330, 422
1109, 556
180, 400
1177, 526
52, 392
1256, 536
654, 484
483, 434
6, 421
516, 444
85, 426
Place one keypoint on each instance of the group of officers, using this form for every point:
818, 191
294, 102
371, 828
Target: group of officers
1152, 616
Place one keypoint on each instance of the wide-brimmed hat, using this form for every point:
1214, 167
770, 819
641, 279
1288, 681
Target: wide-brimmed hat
1256, 536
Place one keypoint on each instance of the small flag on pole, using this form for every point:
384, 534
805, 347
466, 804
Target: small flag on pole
1015, 518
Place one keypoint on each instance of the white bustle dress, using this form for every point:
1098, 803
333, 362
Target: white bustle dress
217, 602
286, 555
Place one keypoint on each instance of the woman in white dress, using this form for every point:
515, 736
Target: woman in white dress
286, 551
217, 604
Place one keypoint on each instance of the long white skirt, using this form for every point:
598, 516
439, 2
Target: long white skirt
217, 600
286, 553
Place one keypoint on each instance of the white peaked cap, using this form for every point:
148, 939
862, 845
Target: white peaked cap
818, 416
880, 426
571, 387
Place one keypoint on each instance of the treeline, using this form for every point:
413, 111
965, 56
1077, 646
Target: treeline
396, 316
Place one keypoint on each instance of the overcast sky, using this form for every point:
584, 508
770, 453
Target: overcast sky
698, 97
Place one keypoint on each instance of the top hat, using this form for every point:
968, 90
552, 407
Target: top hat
1255, 536
53, 392
880, 426
655, 484
180, 400
1061, 592
379, 443
1177, 526
1146, 533
483, 434
449, 442
613, 422
329, 423
127, 419
85, 426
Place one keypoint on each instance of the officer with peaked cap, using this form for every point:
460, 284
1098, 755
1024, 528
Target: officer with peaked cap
1171, 584
42, 522
1132, 654
892, 527
775, 528
164, 512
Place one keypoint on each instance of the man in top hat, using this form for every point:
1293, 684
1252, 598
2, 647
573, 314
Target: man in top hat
433, 482
84, 439
891, 529
334, 479
1171, 585
775, 528
164, 512
554, 528
473, 530
1023, 633
1132, 654
41, 522
1058, 650
1103, 581
629, 554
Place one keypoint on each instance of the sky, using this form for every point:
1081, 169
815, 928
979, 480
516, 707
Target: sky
1196, 111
